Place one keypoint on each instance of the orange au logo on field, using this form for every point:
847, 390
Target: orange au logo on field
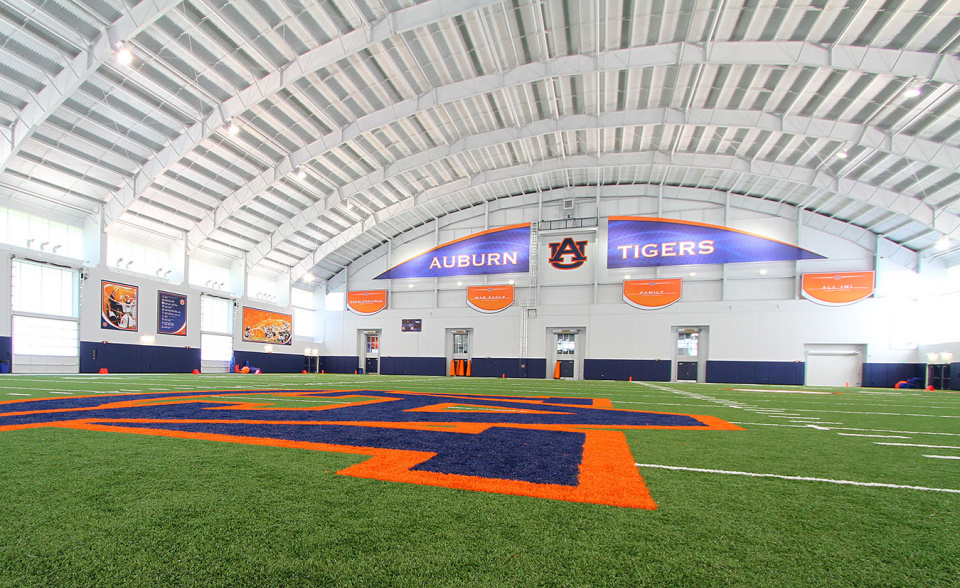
490, 298
652, 294
367, 301
837, 288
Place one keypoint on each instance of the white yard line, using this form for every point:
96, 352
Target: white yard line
817, 426
878, 436
17, 394
944, 456
918, 445
801, 478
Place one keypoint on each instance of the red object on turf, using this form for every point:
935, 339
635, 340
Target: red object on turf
304, 371
931, 389
196, 371
556, 372
468, 367
245, 370
104, 371
453, 367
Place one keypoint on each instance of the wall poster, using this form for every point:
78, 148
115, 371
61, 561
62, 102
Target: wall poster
118, 306
264, 326
171, 313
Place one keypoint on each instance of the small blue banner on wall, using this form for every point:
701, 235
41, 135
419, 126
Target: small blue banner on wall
498, 251
171, 313
634, 241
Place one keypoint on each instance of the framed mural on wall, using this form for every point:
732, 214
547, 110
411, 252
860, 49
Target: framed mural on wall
171, 313
118, 306
264, 326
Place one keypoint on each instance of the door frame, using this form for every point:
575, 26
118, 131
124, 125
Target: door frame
703, 346
362, 347
580, 344
448, 346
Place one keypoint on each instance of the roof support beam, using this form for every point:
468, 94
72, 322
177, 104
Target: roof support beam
873, 60
78, 71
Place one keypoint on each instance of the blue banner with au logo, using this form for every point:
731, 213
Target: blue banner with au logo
646, 242
497, 251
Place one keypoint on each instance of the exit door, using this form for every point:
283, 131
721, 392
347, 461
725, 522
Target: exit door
458, 351
567, 354
691, 353
370, 352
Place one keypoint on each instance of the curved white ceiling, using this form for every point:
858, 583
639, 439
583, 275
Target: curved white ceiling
397, 112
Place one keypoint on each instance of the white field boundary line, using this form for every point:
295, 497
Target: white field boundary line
801, 478
917, 445
944, 456
818, 426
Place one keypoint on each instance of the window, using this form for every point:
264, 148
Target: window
304, 304
22, 229
207, 274
216, 347
48, 337
139, 256
334, 302
44, 289
216, 315
565, 343
373, 344
461, 343
688, 344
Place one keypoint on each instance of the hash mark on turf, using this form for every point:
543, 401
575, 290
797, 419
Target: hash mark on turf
918, 445
944, 456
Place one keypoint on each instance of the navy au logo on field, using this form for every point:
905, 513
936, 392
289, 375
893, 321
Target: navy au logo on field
576, 251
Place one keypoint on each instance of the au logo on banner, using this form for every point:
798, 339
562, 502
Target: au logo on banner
568, 254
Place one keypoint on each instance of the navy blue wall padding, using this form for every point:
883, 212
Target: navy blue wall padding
511, 367
886, 375
955, 376
780, 373
6, 348
123, 358
650, 370
271, 363
413, 366
339, 364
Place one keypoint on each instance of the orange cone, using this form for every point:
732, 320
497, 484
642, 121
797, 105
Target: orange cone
468, 367
104, 371
196, 371
556, 372
453, 367
304, 371
503, 375
323, 371
631, 378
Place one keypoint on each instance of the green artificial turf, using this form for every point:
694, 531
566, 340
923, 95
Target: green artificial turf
84, 508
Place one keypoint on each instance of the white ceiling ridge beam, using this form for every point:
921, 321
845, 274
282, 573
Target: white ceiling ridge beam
826, 129
78, 71
768, 53
395, 23
893, 201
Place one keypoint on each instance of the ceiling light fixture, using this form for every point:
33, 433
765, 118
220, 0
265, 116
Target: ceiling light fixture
943, 244
912, 92
124, 54
301, 173
232, 127
842, 154
763, 272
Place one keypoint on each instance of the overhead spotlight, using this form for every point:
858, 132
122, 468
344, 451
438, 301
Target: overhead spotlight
626, 277
167, 273
30, 242
232, 127
119, 261
129, 263
943, 244
301, 173
55, 247
44, 245
693, 274
124, 54
842, 154
763, 272
459, 283
308, 278
409, 285
159, 271
209, 283
912, 92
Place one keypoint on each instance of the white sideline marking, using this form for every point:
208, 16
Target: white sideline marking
879, 436
779, 391
944, 456
802, 478
16, 394
817, 426
918, 445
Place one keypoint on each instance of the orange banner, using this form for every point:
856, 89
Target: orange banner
264, 326
837, 288
367, 301
490, 298
652, 294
